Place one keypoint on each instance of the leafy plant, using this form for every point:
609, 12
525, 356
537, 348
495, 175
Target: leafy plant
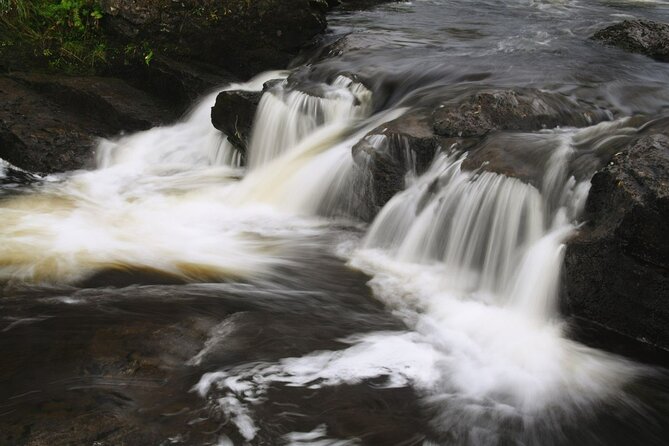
66, 32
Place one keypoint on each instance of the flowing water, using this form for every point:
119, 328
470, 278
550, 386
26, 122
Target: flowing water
173, 295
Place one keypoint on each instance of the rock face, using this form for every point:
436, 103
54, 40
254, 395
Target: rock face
179, 83
49, 123
617, 266
638, 36
241, 36
233, 114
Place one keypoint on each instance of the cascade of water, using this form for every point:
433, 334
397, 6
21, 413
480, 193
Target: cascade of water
193, 142
285, 116
317, 176
477, 225
470, 260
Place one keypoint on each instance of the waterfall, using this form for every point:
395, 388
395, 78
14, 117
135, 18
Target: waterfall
223, 224
192, 142
476, 225
469, 260
286, 116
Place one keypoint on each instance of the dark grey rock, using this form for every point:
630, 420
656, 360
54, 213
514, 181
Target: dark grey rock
241, 36
389, 152
617, 266
233, 114
50, 123
477, 114
464, 124
638, 36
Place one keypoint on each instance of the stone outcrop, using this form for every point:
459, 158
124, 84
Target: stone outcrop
638, 36
50, 123
161, 56
233, 114
241, 36
617, 266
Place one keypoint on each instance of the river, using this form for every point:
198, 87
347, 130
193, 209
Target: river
172, 295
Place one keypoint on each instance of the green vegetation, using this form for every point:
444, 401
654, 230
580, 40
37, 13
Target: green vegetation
64, 33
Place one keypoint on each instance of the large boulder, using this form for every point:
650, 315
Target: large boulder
50, 123
242, 36
617, 266
233, 114
638, 36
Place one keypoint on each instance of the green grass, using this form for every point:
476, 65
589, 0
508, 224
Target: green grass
66, 33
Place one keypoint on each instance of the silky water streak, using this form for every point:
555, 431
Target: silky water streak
470, 261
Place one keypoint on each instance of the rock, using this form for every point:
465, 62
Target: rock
329, 47
470, 121
241, 36
233, 114
617, 266
477, 114
389, 152
50, 123
638, 36
464, 124
180, 83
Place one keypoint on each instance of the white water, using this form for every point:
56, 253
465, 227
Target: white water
469, 261
285, 117
169, 199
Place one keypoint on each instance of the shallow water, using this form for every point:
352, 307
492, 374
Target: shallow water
173, 296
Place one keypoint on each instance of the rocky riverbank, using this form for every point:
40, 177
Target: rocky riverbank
159, 57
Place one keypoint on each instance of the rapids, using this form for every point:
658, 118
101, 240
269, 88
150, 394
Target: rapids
255, 280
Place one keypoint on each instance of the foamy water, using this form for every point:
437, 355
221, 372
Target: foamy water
468, 261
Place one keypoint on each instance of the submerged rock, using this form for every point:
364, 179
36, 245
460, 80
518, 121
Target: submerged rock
617, 266
638, 36
233, 114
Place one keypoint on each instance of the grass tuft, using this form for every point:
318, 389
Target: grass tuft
64, 32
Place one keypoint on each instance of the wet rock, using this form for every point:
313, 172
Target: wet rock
466, 124
388, 153
483, 123
233, 114
50, 123
478, 114
335, 46
241, 36
638, 36
617, 266
180, 83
